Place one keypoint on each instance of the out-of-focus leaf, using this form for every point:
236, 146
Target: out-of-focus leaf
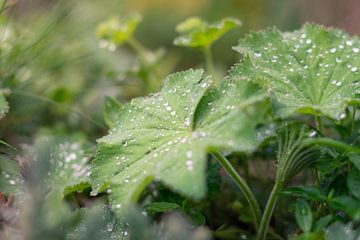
115, 31
349, 205
112, 107
303, 215
314, 70
161, 207
322, 223
353, 182
310, 236
307, 192
4, 106
197, 33
339, 230
69, 167
355, 159
10, 180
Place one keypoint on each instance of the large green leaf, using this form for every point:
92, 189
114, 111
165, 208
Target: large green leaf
166, 136
314, 70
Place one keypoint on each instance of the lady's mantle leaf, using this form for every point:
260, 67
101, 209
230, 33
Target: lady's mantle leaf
199, 34
115, 31
314, 70
166, 136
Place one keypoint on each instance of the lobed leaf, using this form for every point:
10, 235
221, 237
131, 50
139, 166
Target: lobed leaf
314, 70
166, 136
197, 33
115, 31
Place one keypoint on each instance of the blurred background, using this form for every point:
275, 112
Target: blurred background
58, 75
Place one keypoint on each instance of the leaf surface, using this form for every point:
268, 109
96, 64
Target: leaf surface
166, 136
197, 33
314, 70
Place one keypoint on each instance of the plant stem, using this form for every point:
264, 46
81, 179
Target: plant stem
240, 182
269, 209
209, 61
353, 115
319, 124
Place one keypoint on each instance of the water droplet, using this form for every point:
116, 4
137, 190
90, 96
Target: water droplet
189, 154
187, 121
349, 42
257, 54
332, 50
189, 165
342, 116
109, 227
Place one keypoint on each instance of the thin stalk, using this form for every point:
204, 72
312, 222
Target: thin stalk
353, 115
152, 79
269, 209
319, 124
240, 182
209, 61
333, 143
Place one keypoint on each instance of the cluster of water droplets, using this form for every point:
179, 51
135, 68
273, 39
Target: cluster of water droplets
69, 162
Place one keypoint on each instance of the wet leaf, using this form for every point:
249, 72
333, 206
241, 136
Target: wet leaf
303, 215
161, 207
166, 136
10, 181
69, 168
115, 31
314, 70
339, 230
197, 33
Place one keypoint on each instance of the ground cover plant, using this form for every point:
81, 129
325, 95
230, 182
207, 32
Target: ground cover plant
270, 150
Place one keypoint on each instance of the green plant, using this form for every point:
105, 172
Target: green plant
290, 104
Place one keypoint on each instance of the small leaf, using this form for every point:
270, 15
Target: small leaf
166, 136
353, 182
197, 33
322, 223
340, 231
112, 106
355, 159
308, 192
349, 205
115, 31
303, 215
10, 180
314, 70
311, 236
161, 207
